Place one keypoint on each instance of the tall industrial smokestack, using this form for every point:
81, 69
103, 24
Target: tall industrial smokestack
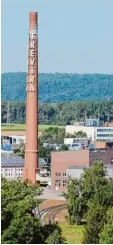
31, 148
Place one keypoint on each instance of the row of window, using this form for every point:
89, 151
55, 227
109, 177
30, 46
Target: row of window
11, 169
10, 174
59, 174
105, 130
104, 135
59, 183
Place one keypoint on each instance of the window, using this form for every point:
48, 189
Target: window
57, 174
64, 174
64, 182
57, 182
105, 130
14, 141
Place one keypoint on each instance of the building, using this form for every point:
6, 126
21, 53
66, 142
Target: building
93, 133
76, 172
31, 146
82, 141
103, 145
90, 131
61, 161
14, 139
12, 169
104, 134
92, 122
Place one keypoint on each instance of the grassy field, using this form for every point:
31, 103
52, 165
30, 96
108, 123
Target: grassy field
72, 233
21, 127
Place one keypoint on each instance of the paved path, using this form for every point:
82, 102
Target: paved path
52, 195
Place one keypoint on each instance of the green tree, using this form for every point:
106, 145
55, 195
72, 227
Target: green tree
95, 221
53, 135
55, 237
63, 148
98, 191
19, 222
106, 235
76, 202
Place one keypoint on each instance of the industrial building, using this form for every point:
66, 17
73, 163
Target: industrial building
62, 161
76, 172
12, 169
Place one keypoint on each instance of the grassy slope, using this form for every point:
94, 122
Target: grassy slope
72, 233
21, 127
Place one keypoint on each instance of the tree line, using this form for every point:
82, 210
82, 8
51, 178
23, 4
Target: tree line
59, 113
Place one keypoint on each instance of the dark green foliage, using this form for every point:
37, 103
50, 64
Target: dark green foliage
63, 148
106, 236
20, 150
53, 234
95, 222
90, 197
76, 202
53, 135
59, 87
79, 134
64, 113
19, 223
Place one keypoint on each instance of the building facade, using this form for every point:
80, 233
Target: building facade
104, 134
61, 161
12, 167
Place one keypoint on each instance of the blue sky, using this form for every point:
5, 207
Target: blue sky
75, 36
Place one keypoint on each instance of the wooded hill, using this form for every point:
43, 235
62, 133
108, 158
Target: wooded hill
59, 87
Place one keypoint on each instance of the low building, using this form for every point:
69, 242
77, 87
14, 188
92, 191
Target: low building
76, 172
82, 141
61, 161
13, 139
12, 167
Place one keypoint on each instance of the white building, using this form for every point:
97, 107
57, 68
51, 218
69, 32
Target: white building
68, 141
93, 133
12, 167
14, 139
71, 129
104, 134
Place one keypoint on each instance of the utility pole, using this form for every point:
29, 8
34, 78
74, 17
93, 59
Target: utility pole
85, 115
8, 114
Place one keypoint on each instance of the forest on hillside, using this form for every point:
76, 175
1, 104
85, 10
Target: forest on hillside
59, 87
59, 113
